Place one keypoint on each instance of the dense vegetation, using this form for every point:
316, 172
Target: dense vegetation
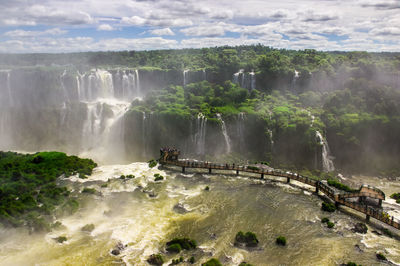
28, 189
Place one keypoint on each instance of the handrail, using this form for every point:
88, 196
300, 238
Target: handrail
339, 198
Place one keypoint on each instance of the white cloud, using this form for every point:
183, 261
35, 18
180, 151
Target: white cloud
204, 30
162, 32
161, 22
27, 34
201, 23
105, 27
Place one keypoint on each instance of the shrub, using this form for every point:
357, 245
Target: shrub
130, 176
207, 188
89, 190
245, 264
104, 185
174, 248
155, 259
212, 262
395, 196
152, 163
380, 256
177, 261
158, 177
88, 228
340, 186
249, 239
281, 240
350, 263
328, 207
192, 260
255, 168
387, 232
184, 243
122, 177
325, 220
330, 224
60, 239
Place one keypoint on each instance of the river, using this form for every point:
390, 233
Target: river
144, 215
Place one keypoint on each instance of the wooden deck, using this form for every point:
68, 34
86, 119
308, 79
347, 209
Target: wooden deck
340, 198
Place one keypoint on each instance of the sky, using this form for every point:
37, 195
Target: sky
52, 26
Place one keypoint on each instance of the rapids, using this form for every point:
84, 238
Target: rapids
142, 215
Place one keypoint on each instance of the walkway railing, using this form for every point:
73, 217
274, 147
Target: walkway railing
338, 198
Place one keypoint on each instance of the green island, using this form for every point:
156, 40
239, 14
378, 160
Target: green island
29, 191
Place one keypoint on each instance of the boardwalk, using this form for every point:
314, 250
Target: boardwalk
340, 198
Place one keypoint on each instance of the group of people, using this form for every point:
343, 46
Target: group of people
169, 153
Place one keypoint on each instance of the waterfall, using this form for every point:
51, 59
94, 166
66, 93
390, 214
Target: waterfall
144, 134
295, 77
240, 129
10, 97
271, 139
137, 82
237, 76
327, 163
63, 88
92, 125
252, 80
200, 136
78, 86
225, 133
204, 74
63, 113
185, 73
104, 83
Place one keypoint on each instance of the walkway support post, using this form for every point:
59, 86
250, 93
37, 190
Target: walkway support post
367, 218
209, 170
183, 169
262, 176
317, 187
380, 202
237, 172
287, 180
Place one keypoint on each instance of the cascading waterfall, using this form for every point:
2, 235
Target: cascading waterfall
63, 88
8, 82
92, 126
137, 82
144, 134
327, 163
239, 75
252, 80
295, 77
185, 73
271, 138
200, 135
240, 129
225, 133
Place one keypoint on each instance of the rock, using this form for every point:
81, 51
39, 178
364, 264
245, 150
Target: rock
360, 228
118, 248
115, 252
180, 208
376, 233
358, 248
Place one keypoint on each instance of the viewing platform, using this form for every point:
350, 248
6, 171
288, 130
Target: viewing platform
170, 156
